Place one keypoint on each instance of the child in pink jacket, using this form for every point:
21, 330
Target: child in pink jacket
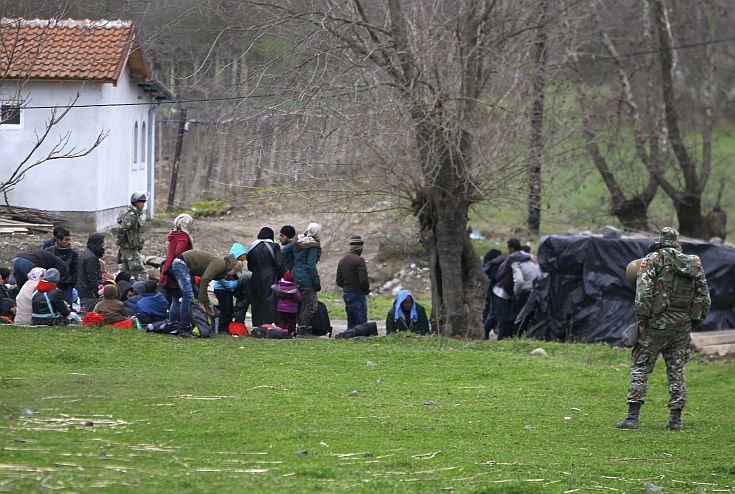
288, 296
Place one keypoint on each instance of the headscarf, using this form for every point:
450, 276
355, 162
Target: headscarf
183, 223
36, 274
403, 295
313, 233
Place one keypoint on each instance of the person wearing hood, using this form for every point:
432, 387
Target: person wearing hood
306, 254
29, 259
208, 267
124, 290
179, 241
7, 311
48, 305
24, 300
224, 291
265, 262
406, 315
153, 306
131, 303
110, 307
63, 250
89, 277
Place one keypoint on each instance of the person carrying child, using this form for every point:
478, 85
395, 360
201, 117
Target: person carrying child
288, 297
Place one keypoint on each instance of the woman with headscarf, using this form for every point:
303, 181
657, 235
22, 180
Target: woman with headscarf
306, 254
24, 304
265, 262
179, 241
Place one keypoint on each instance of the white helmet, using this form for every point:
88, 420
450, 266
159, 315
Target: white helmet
137, 197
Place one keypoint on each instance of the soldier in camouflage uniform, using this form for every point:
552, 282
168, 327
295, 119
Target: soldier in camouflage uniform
671, 298
130, 237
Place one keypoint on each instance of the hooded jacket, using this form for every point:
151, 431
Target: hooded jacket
88, 277
208, 268
45, 259
152, 306
71, 260
47, 294
288, 296
178, 243
306, 256
111, 308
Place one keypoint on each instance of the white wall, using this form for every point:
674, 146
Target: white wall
94, 183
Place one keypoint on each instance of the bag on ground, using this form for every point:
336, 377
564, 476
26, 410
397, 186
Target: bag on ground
320, 323
200, 320
238, 329
270, 331
364, 329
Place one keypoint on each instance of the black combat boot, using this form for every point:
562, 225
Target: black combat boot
674, 421
631, 420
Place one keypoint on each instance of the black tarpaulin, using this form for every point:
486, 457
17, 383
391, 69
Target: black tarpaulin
583, 294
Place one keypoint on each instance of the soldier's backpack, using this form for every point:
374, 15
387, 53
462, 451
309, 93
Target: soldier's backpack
677, 279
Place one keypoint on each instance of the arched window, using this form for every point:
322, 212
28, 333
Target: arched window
135, 145
143, 137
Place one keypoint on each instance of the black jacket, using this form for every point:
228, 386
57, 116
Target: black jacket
266, 269
46, 260
352, 274
88, 275
40, 306
421, 326
242, 298
71, 259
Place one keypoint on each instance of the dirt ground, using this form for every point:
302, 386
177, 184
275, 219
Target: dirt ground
242, 223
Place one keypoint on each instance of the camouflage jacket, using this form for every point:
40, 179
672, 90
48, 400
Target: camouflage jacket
130, 233
671, 290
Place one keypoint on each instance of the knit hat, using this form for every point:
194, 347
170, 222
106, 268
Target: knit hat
356, 240
288, 276
288, 231
238, 250
265, 233
139, 287
52, 275
109, 292
151, 286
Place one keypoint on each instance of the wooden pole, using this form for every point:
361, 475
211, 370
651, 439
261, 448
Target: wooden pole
177, 159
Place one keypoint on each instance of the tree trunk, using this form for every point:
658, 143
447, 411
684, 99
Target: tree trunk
689, 214
177, 160
537, 125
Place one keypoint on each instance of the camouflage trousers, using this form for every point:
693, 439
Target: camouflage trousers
674, 347
131, 262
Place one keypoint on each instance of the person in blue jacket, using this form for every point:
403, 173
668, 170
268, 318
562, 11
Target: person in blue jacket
152, 306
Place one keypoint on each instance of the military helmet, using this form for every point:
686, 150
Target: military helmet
668, 235
631, 272
137, 197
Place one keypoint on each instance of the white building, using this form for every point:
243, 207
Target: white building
100, 66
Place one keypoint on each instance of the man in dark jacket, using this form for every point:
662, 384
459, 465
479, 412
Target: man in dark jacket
64, 251
29, 259
89, 277
352, 278
285, 238
406, 315
49, 308
265, 262
503, 288
51, 241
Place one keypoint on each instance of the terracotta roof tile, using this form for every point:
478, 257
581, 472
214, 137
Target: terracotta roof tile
63, 50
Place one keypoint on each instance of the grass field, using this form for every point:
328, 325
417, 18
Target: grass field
120, 411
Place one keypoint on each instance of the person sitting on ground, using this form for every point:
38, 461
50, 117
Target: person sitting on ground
153, 306
124, 290
5, 289
208, 267
288, 296
89, 277
29, 259
307, 251
122, 276
48, 305
132, 301
110, 307
406, 315
52, 241
24, 300
7, 311
64, 251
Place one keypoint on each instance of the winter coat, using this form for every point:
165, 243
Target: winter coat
5, 292
287, 253
111, 307
306, 256
208, 268
152, 306
524, 274
265, 262
131, 304
242, 297
352, 274
24, 305
405, 321
45, 259
40, 305
71, 260
178, 243
288, 297
130, 232
88, 277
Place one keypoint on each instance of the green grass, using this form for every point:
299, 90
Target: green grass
494, 422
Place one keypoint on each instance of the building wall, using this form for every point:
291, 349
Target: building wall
94, 185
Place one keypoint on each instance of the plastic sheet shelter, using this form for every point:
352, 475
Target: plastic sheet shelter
583, 294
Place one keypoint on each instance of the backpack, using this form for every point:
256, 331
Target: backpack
270, 331
163, 327
320, 323
200, 320
677, 277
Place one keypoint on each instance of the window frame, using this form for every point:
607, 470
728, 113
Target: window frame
135, 145
21, 115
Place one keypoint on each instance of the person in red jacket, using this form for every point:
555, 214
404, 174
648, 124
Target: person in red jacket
179, 241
